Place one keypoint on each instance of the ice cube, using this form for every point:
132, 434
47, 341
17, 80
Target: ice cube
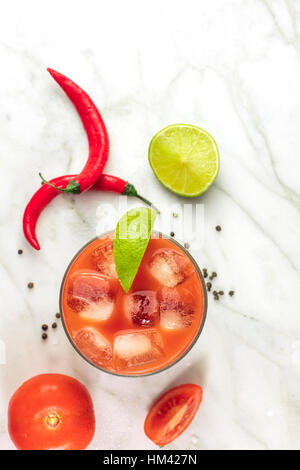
170, 267
133, 348
103, 260
91, 296
141, 308
176, 309
94, 346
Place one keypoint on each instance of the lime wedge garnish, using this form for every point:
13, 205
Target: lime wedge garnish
185, 159
130, 241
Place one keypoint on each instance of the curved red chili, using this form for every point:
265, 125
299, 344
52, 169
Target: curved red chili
96, 133
46, 193
91, 173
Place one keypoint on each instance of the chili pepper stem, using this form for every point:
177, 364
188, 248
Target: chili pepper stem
147, 202
49, 184
130, 190
73, 187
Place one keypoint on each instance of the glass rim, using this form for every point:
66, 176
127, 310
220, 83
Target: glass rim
188, 349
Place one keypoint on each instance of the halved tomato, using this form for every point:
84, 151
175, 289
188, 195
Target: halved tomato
51, 411
172, 413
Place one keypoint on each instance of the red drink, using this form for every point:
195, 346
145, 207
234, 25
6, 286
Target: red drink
141, 332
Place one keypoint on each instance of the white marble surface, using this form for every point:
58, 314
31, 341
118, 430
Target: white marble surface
231, 67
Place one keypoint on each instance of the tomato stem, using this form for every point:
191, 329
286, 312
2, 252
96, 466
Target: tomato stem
52, 420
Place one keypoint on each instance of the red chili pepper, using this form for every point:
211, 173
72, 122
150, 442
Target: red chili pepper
91, 173
110, 183
117, 185
96, 133
46, 193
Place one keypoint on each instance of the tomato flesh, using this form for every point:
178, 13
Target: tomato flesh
51, 411
172, 413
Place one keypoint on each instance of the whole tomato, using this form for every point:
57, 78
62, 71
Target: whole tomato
51, 411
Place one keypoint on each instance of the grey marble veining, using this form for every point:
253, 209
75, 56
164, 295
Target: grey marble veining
230, 67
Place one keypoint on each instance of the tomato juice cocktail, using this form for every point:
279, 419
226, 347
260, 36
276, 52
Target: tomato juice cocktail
141, 332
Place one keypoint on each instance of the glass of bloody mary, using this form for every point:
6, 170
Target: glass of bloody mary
146, 330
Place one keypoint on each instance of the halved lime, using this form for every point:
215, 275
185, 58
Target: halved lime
185, 159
